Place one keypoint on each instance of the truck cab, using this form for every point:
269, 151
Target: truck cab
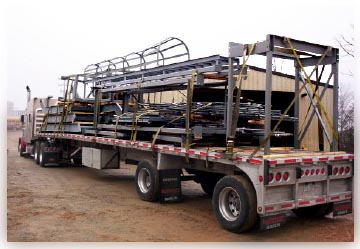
32, 121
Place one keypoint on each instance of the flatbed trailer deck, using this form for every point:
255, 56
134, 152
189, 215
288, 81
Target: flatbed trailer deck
312, 178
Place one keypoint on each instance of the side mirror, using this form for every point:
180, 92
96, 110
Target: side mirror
22, 119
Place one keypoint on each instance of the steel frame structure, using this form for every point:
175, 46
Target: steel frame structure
310, 55
211, 71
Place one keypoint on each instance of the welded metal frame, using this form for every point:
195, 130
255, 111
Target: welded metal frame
277, 47
162, 78
164, 52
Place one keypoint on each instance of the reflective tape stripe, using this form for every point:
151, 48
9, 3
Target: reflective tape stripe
177, 149
202, 153
255, 161
290, 160
269, 208
301, 203
320, 200
190, 152
288, 205
217, 155
307, 160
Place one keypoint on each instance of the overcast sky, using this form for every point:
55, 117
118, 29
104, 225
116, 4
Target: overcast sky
48, 39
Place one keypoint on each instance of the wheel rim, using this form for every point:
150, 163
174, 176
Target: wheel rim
144, 180
36, 153
229, 203
40, 158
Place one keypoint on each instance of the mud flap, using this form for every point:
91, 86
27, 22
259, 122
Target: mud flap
51, 157
342, 208
272, 221
170, 185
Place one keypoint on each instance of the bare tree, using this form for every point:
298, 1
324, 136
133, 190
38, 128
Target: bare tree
346, 102
347, 44
346, 121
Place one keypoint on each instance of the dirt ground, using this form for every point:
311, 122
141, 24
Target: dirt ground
82, 204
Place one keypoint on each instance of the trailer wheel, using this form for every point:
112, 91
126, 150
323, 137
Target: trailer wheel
147, 181
37, 152
234, 202
313, 211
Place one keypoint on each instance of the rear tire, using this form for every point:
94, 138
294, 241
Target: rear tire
36, 151
147, 181
234, 202
313, 211
42, 155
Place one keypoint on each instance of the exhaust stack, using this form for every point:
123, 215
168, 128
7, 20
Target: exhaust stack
28, 93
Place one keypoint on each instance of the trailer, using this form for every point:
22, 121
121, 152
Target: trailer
245, 155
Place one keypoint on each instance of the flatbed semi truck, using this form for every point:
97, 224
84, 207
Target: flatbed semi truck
251, 181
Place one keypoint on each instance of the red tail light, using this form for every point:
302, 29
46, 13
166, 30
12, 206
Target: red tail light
341, 171
286, 176
270, 177
347, 170
278, 176
335, 171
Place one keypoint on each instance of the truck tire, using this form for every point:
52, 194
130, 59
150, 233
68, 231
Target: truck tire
42, 161
36, 151
316, 211
234, 202
147, 181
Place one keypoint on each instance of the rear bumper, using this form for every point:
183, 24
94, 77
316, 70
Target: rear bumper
278, 217
270, 208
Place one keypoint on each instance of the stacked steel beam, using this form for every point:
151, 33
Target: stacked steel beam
203, 113
169, 119
72, 118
